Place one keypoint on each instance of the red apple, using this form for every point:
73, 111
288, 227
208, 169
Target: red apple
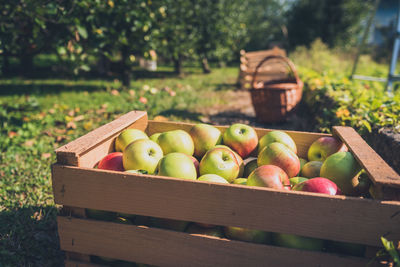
323, 147
280, 155
318, 185
268, 176
241, 138
112, 161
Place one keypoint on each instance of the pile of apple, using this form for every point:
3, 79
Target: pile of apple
237, 156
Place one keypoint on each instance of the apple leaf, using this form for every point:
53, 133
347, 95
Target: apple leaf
389, 247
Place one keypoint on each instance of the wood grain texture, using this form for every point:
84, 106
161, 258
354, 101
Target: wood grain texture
73, 263
168, 248
379, 171
87, 150
302, 139
338, 218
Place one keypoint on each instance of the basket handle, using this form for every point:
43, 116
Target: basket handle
284, 59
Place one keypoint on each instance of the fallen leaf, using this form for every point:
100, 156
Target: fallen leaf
60, 138
46, 155
12, 134
172, 93
143, 100
59, 131
77, 109
114, 92
105, 105
25, 119
52, 111
132, 93
29, 143
71, 125
71, 113
88, 125
79, 118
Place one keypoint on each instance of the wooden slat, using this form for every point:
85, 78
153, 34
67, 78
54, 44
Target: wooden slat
303, 140
168, 248
379, 171
340, 218
96, 144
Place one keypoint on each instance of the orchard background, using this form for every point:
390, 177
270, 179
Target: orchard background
67, 67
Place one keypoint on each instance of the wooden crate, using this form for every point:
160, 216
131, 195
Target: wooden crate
77, 185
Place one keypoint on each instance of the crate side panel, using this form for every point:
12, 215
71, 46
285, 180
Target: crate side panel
168, 248
338, 218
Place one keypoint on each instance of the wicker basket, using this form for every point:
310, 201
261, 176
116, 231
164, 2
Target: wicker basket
274, 100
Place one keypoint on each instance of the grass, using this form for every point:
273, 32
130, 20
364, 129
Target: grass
37, 116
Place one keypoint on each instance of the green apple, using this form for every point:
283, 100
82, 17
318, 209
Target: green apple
361, 184
176, 141
154, 137
311, 169
296, 180
323, 147
128, 136
277, 136
249, 166
204, 137
241, 138
210, 177
280, 155
248, 235
177, 165
100, 214
210, 231
341, 168
302, 162
242, 181
238, 158
170, 224
268, 176
142, 154
220, 161
299, 242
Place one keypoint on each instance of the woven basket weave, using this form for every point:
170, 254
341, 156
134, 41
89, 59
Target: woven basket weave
274, 100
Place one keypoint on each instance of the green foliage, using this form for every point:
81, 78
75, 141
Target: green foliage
389, 249
335, 100
335, 22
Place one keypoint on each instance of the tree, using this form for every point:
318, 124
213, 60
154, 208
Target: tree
336, 22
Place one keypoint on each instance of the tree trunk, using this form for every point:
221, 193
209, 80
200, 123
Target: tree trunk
178, 65
125, 69
205, 66
26, 65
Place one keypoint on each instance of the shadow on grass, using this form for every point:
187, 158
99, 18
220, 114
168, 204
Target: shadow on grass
226, 86
28, 237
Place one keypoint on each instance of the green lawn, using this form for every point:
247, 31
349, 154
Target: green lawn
37, 116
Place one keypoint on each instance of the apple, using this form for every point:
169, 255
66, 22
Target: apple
318, 185
204, 137
302, 162
280, 155
360, 184
210, 231
311, 169
249, 167
220, 161
268, 176
296, 180
210, 177
238, 158
100, 214
241, 138
299, 242
341, 167
170, 224
112, 161
128, 136
142, 154
176, 141
277, 136
177, 165
242, 181
196, 165
154, 137
323, 147
248, 235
